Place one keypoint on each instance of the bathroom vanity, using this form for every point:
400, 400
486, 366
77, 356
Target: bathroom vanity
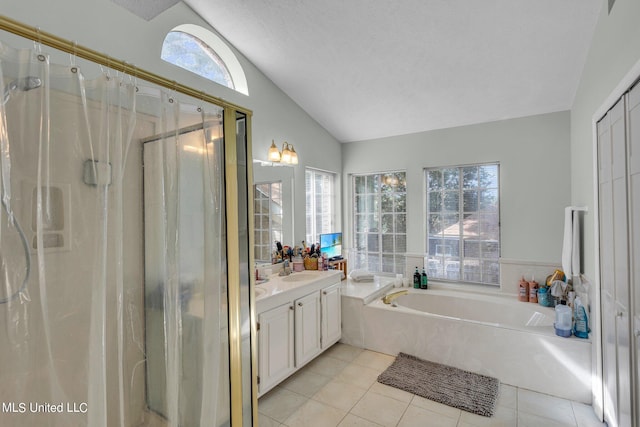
299, 316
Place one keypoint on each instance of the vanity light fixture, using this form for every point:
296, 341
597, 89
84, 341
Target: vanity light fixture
274, 154
288, 156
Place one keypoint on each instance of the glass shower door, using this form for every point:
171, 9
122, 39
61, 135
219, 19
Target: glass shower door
187, 366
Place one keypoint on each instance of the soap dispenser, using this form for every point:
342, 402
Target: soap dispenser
416, 279
424, 280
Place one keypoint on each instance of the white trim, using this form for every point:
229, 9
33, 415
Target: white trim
223, 51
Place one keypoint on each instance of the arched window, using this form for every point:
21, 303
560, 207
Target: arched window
200, 51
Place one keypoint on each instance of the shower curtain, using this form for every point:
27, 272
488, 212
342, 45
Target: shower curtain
112, 281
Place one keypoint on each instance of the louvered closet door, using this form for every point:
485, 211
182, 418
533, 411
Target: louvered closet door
614, 268
633, 153
606, 271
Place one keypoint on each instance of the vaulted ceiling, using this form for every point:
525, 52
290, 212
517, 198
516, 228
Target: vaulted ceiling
367, 69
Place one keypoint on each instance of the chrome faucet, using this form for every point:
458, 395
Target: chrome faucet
387, 299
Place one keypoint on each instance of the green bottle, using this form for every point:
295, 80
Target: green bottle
424, 280
416, 279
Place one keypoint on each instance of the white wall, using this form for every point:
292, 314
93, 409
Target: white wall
534, 176
615, 49
106, 27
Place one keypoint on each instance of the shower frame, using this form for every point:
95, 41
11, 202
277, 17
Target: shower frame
233, 227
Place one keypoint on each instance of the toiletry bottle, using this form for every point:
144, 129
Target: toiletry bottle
424, 280
523, 290
533, 291
581, 320
416, 279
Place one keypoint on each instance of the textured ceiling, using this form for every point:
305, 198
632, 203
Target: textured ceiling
367, 69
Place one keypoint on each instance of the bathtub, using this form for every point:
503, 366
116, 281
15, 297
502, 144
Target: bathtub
489, 334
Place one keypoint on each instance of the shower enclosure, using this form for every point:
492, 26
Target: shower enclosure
124, 285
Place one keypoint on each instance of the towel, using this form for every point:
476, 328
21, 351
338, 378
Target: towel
571, 243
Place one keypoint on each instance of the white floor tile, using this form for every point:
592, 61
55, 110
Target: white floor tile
530, 420
380, 409
265, 421
340, 394
315, 414
502, 417
374, 360
343, 352
280, 403
327, 366
353, 421
415, 416
358, 375
585, 417
392, 392
546, 406
339, 388
439, 408
508, 396
305, 382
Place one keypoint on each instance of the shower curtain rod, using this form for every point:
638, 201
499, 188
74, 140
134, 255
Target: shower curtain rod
35, 34
181, 131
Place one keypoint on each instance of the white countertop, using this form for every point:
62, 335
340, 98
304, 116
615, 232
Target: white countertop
368, 291
279, 290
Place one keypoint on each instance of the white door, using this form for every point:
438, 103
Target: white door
307, 326
614, 267
331, 315
275, 346
633, 142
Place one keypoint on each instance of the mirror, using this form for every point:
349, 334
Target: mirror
273, 207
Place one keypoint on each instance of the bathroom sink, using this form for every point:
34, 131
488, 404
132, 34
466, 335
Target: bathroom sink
260, 291
302, 277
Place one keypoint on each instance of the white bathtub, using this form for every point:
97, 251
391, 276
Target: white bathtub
490, 334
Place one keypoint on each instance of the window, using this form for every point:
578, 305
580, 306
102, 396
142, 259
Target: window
200, 51
267, 215
463, 223
380, 222
320, 200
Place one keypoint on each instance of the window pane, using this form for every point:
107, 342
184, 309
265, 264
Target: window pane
451, 201
435, 201
489, 176
470, 177
192, 54
451, 181
401, 223
434, 180
387, 224
489, 200
479, 230
379, 206
470, 200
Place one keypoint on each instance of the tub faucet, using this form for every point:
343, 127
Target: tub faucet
387, 299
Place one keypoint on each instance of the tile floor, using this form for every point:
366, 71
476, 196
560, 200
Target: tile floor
339, 388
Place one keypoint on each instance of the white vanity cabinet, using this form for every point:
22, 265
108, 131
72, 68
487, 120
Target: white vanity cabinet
275, 345
307, 328
297, 320
331, 315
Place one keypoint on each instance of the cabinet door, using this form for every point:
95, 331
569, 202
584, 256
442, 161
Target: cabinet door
275, 346
331, 315
307, 326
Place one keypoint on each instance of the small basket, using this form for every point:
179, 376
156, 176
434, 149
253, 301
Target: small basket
310, 263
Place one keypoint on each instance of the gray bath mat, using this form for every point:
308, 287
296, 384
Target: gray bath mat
451, 386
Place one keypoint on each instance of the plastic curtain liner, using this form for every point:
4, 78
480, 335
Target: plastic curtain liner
112, 281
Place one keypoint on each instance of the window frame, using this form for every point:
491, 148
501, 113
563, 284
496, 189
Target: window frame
261, 246
313, 235
222, 51
462, 275
378, 261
